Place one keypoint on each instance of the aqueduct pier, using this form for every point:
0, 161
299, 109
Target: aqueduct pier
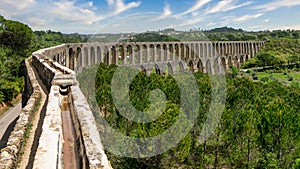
66, 135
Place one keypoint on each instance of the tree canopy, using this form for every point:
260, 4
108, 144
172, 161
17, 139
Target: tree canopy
258, 129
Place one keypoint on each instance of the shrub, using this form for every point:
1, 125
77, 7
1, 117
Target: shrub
255, 77
234, 71
264, 79
297, 164
290, 78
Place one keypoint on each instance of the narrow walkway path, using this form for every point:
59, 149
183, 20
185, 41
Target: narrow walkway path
37, 121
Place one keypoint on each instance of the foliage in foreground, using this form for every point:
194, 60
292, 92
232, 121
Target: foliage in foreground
15, 42
259, 127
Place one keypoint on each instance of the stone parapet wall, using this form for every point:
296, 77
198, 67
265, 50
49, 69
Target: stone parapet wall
94, 149
10, 155
45, 71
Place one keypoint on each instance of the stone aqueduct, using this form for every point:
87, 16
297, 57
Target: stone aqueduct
207, 57
57, 67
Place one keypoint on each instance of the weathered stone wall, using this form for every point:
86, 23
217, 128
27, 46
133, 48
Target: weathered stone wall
45, 71
10, 155
49, 152
94, 149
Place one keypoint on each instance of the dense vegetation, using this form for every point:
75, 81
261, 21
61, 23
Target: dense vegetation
277, 52
217, 34
259, 127
44, 39
17, 42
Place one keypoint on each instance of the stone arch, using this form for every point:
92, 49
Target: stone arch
176, 48
197, 48
241, 59
114, 55
205, 49
61, 55
99, 54
157, 69
187, 52
144, 53
106, 56
200, 66
216, 66
129, 52
192, 50
191, 66
182, 54
223, 64
225, 49
180, 66
93, 56
165, 52
151, 53
208, 50
85, 57
171, 52
71, 58
230, 64
58, 58
121, 54
158, 52
170, 69
246, 58
80, 60
208, 67
137, 54
78, 57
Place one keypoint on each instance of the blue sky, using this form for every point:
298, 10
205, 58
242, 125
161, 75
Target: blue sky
70, 16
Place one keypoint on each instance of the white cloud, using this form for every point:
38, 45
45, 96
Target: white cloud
266, 20
110, 2
71, 12
226, 5
277, 4
17, 4
36, 22
197, 6
246, 17
165, 14
10, 8
119, 6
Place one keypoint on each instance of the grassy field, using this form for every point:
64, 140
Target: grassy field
281, 76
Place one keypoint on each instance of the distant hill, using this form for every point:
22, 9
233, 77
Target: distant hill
225, 29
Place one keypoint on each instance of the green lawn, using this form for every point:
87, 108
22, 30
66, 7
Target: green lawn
278, 76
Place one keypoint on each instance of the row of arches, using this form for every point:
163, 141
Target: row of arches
83, 55
210, 66
159, 52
